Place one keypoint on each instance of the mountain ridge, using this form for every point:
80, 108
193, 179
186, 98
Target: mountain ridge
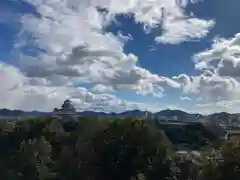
166, 113
224, 119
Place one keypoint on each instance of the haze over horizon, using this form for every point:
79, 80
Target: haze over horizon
111, 55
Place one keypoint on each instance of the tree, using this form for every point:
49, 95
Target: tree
127, 148
187, 166
223, 164
34, 159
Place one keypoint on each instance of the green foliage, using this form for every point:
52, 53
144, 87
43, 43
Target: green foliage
192, 136
222, 164
126, 148
110, 149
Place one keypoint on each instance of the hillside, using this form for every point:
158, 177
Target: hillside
191, 136
223, 119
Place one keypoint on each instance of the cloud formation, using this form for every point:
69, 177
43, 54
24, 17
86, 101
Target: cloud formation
17, 92
65, 44
179, 29
219, 83
185, 98
74, 44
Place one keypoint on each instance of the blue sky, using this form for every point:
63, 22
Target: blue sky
135, 54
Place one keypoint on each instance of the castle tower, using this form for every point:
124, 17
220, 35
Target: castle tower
67, 113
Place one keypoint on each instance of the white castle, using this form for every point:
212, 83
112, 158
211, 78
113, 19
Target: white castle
67, 112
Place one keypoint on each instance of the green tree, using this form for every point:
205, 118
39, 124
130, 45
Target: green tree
125, 149
223, 164
34, 159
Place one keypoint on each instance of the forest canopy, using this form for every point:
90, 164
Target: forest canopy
112, 149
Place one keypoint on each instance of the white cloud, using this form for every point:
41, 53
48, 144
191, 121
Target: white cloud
82, 98
23, 94
210, 86
170, 16
176, 25
184, 3
77, 47
10, 79
223, 57
177, 30
18, 93
185, 98
231, 106
99, 88
218, 85
70, 47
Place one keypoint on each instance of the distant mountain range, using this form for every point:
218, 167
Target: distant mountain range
19, 113
224, 119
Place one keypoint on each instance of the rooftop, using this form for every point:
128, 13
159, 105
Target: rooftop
66, 108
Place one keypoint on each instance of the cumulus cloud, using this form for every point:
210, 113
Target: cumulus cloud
231, 106
219, 83
209, 86
177, 30
170, 16
176, 26
100, 88
223, 57
10, 79
75, 45
185, 98
65, 43
17, 92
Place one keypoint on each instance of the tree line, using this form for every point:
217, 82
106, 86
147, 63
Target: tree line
106, 149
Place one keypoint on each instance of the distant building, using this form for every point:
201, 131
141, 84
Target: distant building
234, 136
67, 112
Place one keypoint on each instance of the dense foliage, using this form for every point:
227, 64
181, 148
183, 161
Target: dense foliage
109, 149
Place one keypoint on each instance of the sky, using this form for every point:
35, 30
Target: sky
113, 56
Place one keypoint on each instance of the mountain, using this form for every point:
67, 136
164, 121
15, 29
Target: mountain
223, 118
7, 112
135, 113
178, 115
19, 113
170, 113
91, 113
